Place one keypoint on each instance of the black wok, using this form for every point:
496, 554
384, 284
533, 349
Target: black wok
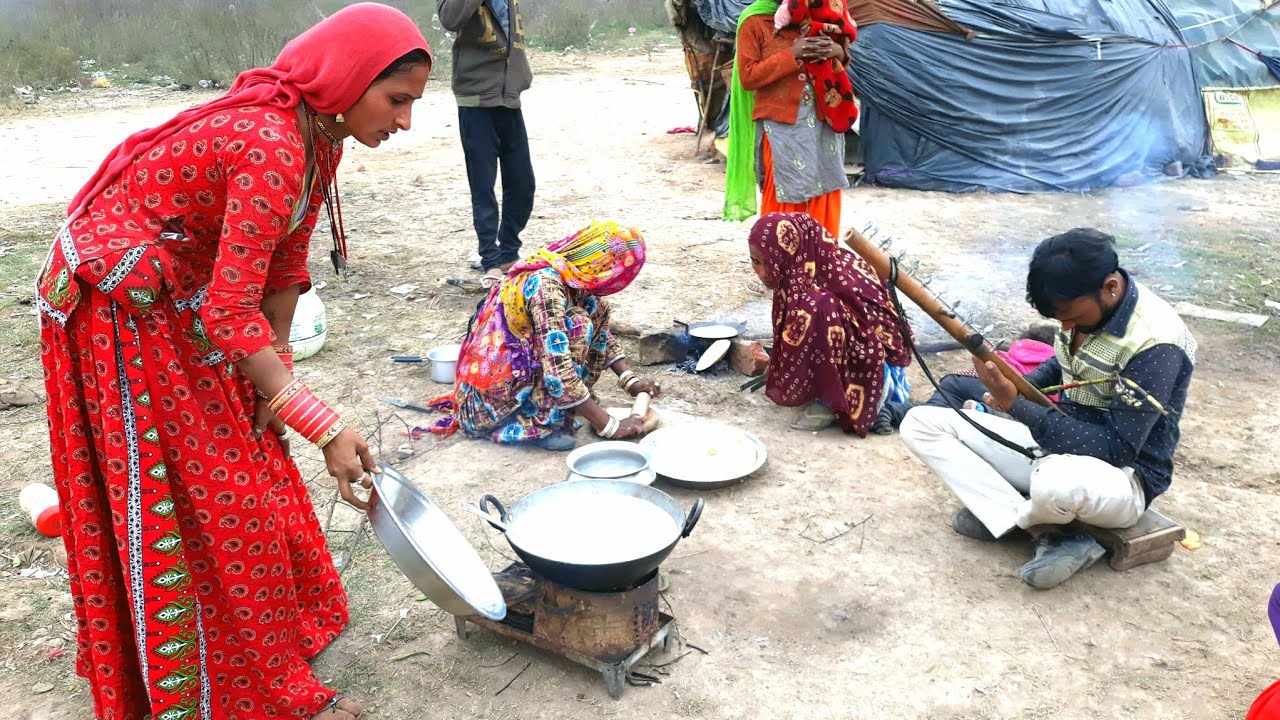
621, 575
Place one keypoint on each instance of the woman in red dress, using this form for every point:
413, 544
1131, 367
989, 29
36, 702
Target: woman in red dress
199, 573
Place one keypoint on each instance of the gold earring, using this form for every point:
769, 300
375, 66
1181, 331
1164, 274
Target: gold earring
339, 119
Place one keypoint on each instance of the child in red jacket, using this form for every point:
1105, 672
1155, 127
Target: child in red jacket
831, 84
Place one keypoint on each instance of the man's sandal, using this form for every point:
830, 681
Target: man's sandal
492, 277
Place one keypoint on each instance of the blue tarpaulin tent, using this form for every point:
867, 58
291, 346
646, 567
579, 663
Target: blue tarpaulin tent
1042, 95
1047, 95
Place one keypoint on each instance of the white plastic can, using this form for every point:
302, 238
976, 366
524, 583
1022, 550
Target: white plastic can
310, 326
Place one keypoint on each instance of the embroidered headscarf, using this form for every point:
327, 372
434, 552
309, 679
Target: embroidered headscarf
834, 327
329, 66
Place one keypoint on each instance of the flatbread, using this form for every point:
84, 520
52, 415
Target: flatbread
713, 354
714, 332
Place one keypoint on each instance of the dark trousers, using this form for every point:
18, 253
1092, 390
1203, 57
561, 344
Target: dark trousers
955, 389
493, 137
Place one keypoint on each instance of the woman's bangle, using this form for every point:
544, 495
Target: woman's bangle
285, 353
624, 377
610, 428
301, 410
632, 381
331, 433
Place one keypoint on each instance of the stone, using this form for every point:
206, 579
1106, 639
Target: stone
662, 346
1043, 330
748, 357
12, 396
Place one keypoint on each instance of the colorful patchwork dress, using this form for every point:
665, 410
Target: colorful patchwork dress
541, 340
199, 572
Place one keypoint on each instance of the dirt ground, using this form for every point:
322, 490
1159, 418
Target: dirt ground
900, 618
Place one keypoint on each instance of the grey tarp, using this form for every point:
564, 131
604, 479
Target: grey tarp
1222, 64
721, 15
1048, 95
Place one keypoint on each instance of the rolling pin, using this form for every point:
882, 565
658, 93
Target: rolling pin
640, 407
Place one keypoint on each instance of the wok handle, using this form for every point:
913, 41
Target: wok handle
691, 519
485, 501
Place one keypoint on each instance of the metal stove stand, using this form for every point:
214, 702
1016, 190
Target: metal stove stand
607, 632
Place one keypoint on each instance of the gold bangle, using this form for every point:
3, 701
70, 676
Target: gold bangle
283, 396
330, 434
624, 377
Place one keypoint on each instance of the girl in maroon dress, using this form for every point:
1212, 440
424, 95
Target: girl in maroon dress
200, 576
834, 327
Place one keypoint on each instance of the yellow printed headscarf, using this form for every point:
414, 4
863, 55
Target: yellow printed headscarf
602, 259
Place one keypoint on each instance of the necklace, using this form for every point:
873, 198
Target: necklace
324, 130
326, 168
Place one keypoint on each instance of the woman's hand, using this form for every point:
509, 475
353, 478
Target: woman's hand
820, 47
632, 427
646, 386
264, 419
348, 459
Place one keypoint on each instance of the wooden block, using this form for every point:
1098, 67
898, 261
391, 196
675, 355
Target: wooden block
1152, 539
1155, 554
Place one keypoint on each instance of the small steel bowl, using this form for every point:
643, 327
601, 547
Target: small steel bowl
614, 459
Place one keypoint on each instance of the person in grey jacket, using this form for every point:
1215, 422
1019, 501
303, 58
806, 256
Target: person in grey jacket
490, 70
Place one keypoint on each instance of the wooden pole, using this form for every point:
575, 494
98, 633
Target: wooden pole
706, 99
968, 338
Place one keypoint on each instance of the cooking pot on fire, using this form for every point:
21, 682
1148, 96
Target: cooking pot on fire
595, 535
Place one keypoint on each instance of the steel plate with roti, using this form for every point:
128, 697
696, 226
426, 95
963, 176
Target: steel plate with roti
703, 455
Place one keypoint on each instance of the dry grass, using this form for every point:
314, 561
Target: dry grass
53, 44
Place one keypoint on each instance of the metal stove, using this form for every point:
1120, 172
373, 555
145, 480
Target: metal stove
608, 632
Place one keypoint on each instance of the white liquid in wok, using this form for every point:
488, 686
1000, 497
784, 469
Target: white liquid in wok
593, 529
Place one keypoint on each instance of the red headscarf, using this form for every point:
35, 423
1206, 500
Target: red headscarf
330, 66
834, 326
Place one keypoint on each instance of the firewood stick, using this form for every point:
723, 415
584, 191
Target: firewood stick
968, 338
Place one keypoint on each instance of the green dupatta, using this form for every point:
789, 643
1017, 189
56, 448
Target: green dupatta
740, 174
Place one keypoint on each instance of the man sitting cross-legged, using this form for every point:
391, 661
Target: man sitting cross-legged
1110, 454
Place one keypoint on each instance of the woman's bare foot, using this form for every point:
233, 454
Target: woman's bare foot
340, 708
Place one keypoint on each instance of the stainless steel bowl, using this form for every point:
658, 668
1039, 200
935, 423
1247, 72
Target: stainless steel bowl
614, 459
645, 477
430, 550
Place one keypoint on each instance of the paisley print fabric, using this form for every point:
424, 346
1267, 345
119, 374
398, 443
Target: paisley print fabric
199, 573
213, 206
